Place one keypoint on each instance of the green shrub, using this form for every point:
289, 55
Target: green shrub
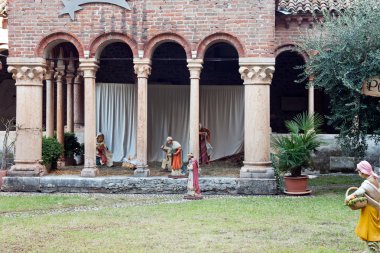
72, 145
51, 150
345, 51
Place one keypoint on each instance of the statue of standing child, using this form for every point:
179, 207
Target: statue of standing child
193, 189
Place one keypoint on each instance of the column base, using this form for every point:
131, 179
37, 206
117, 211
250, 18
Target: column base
89, 172
142, 171
257, 170
27, 170
257, 186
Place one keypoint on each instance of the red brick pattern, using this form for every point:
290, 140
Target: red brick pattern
288, 32
248, 25
220, 37
103, 40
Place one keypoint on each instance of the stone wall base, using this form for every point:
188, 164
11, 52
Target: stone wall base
27, 170
137, 185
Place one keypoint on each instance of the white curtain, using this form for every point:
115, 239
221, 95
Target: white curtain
116, 117
221, 111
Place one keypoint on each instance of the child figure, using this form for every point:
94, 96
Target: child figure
193, 189
103, 155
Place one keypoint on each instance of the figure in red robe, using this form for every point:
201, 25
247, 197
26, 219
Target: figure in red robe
193, 189
205, 147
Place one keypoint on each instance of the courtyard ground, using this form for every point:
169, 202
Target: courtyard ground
226, 167
167, 223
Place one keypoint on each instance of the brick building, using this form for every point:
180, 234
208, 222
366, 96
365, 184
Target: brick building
59, 50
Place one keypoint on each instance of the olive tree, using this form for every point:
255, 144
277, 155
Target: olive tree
344, 49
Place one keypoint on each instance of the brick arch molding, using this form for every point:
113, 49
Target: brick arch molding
99, 43
220, 37
49, 42
157, 40
291, 47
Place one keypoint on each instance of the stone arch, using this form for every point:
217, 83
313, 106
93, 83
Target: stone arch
216, 38
157, 40
291, 47
49, 42
99, 43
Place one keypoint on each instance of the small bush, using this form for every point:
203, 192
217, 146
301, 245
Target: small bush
72, 145
51, 150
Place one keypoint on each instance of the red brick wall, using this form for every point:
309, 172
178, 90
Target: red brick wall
289, 31
251, 23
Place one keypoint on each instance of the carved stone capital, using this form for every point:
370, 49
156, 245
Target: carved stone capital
49, 69
88, 67
58, 75
49, 74
27, 71
257, 74
142, 67
257, 70
78, 78
195, 67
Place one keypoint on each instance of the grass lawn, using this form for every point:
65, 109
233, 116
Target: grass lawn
167, 223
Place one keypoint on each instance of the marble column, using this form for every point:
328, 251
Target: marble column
142, 69
29, 74
257, 74
69, 95
59, 75
49, 78
311, 96
89, 68
195, 68
78, 108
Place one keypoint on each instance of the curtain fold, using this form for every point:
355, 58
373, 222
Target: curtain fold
116, 117
221, 111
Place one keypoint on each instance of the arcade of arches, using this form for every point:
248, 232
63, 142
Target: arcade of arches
74, 92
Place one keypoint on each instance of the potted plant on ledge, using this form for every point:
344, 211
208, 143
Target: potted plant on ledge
292, 152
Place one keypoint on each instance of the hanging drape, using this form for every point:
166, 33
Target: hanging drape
116, 117
221, 111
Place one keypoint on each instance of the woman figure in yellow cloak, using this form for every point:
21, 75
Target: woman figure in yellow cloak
368, 227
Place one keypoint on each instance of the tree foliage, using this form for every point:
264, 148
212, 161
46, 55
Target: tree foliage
344, 51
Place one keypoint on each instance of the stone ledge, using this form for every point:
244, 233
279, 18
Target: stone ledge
149, 185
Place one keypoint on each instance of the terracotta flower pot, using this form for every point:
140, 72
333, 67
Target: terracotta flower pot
296, 185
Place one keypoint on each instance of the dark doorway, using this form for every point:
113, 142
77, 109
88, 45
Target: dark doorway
221, 66
287, 96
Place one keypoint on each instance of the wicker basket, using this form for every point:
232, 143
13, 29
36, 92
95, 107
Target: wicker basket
358, 204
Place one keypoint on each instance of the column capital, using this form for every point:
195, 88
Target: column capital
89, 67
142, 67
27, 71
49, 70
78, 78
257, 71
70, 70
195, 67
58, 75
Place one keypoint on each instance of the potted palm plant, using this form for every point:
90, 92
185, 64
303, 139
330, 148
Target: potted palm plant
292, 152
